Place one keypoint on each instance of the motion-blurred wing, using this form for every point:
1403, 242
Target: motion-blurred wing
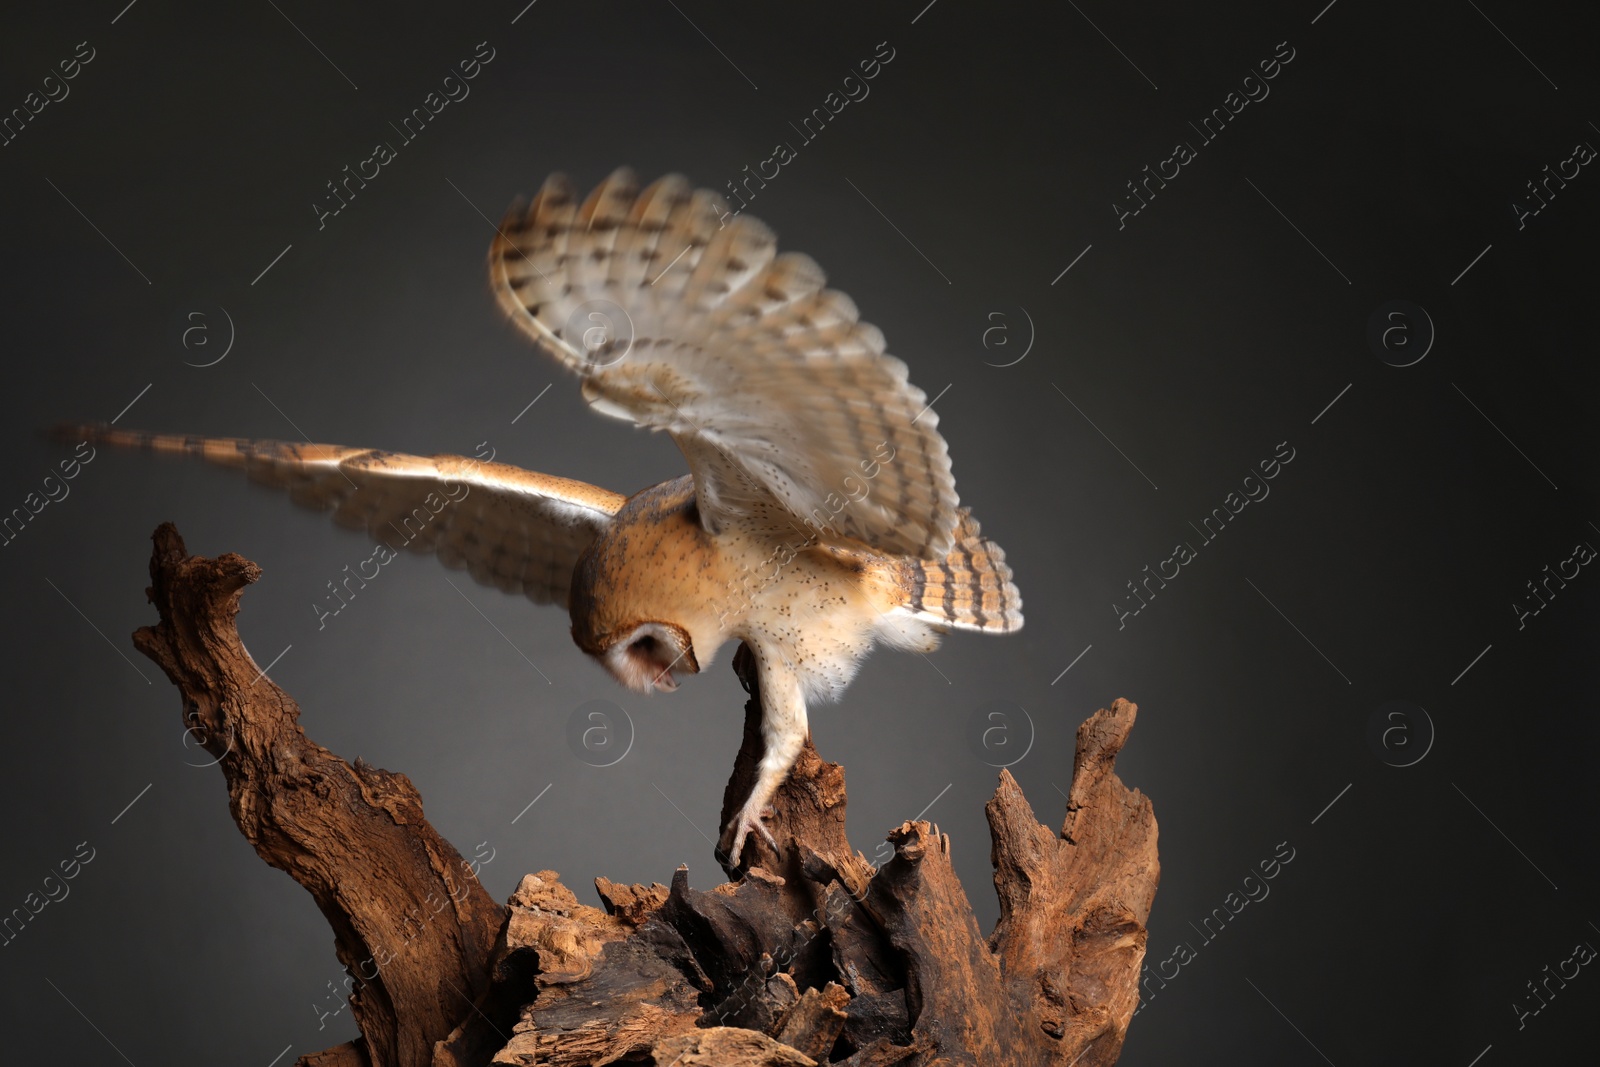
679, 315
510, 528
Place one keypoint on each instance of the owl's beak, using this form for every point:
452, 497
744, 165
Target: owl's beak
684, 661
641, 660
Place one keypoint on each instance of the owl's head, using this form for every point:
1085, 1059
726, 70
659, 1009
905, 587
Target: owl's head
645, 656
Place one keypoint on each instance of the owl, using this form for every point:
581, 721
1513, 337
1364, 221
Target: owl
819, 516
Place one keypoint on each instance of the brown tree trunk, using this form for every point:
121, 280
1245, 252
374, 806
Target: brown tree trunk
811, 956
411, 923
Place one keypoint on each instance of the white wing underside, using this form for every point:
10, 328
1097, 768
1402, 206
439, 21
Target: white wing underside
680, 317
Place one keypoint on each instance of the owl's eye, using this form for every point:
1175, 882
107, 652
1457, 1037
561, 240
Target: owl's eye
644, 645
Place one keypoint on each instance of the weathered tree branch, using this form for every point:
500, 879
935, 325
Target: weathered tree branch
411, 923
811, 956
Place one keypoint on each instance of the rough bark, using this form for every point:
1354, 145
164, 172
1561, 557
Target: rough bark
412, 925
809, 957
1071, 934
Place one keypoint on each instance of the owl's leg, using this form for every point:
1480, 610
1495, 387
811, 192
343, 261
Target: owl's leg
783, 734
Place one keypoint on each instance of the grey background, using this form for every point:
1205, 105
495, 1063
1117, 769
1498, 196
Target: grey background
1198, 337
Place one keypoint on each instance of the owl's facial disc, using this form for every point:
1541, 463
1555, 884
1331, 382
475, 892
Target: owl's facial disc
645, 657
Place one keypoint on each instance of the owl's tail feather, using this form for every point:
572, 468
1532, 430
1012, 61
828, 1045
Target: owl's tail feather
970, 589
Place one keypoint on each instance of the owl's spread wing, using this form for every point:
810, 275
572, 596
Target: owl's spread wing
514, 529
679, 315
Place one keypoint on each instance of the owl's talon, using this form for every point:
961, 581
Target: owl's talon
731, 847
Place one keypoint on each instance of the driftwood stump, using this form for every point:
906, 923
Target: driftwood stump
810, 956
412, 925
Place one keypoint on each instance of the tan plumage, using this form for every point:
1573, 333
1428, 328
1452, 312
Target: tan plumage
820, 515
514, 529
969, 589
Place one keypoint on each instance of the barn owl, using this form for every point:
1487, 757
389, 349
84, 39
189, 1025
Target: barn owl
819, 515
